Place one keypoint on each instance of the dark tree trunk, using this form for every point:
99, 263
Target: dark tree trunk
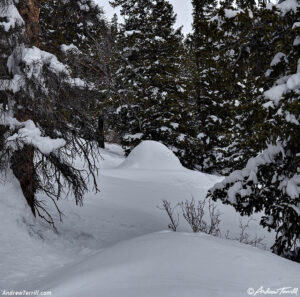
101, 132
22, 161
30, 12
22, 166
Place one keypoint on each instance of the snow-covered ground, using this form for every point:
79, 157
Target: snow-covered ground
117, 243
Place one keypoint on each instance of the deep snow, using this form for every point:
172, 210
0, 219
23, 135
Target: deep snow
166, 264
152, 155
114, 245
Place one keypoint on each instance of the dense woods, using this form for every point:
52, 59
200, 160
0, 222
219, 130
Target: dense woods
224, 98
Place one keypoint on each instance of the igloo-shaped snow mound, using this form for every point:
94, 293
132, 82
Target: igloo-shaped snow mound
151, 155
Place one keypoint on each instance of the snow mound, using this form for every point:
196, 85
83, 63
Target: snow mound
152, 155
168, 264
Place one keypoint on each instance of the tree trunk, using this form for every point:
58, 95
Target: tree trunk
30, 12
22, 161
101, 132
22, 166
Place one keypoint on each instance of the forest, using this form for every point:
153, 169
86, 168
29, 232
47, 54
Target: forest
221, 101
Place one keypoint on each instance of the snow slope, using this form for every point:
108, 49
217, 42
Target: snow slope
168, 264
114, 244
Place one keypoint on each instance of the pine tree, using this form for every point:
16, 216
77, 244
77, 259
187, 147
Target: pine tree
212, 81
241, 45
41, 102
77, 33
152, 95
270, 182
229, 53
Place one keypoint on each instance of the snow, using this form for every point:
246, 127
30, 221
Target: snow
115, 244
296, 25
276, 93
131, 136
173, 265
294, 82
229, 13
152, 155
291, 118
233, 190
71, 47
285, 6
30, 134
293, 186
277, 59
35, 59
130, 33
14, 85
296, 41
83, 7
250, 171
288, 5
10, 17
284, 85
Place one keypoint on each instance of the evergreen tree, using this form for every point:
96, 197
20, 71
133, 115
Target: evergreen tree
78, 35
209, 110
229, 53
241, 47
152, 102
41, 102
270, 182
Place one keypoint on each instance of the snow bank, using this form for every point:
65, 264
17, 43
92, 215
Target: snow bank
127, 207
152, 155
23, 254
173, 265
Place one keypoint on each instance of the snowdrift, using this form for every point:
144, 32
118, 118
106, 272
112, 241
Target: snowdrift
168, 264
98, 252
23, 250
152, 155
